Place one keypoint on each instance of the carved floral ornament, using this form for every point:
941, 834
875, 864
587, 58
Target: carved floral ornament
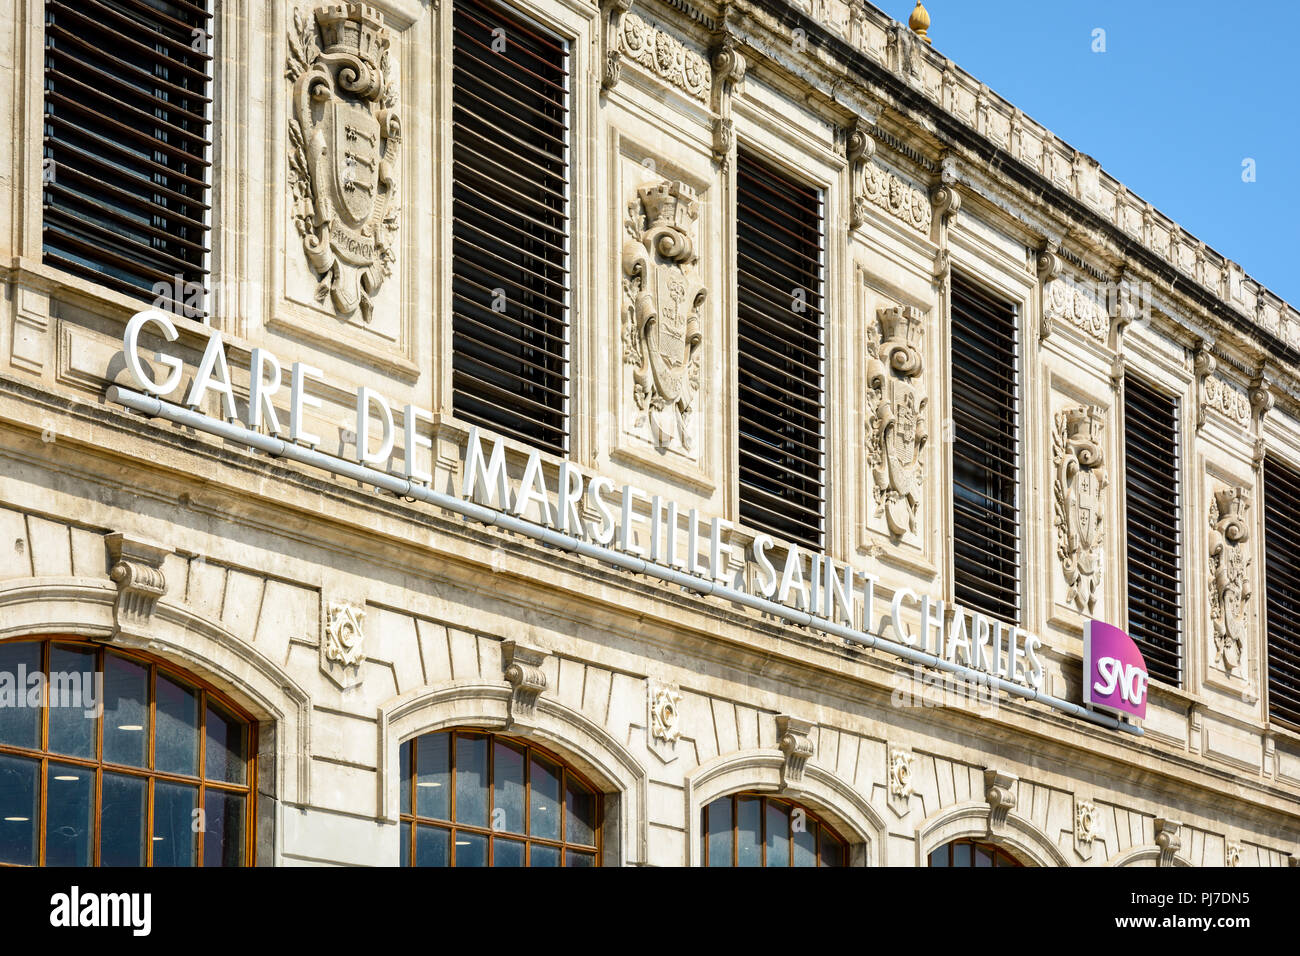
665, 712
344, 137
1079, 501
896, 429
1229, 581
663, 311
344, 638
665, 56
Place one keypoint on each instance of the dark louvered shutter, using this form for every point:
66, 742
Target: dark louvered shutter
510, 225
1152, 494
985, 452
1282, 584
779, 264
127, 142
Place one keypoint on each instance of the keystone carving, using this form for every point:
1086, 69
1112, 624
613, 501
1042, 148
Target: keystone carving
665, 57
344, 135
1167, 839
900, 773
522, 668
1232, 854
135, 566
663, 305
1000, 792
795, 744
1229, 583
896, 431
1079, 501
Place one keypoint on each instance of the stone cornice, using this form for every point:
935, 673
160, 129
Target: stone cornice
1079, 191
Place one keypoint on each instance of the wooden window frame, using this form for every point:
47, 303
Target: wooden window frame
1001, 858
413, 820
814, 818
204, 691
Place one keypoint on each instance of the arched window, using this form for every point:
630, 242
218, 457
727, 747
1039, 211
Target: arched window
971, 853
748, 829
114, 759
479, 799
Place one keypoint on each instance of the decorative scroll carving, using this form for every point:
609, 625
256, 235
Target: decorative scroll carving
344, 638
665, 56
945, 199
663, 304
1229, 581
611, 55
344, 135
1079, 501
1217, 395
900, 773
1000, 792
1204, 366
1050, 265
1066, 301
861, 147
896, 430
728, 71
522, 667
1232, 853
135, 566
793, 741
1167, 839
1262, 401
901, 200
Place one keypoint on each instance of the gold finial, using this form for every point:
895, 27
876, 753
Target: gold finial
919, 22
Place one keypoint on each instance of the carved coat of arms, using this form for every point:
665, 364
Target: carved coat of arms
1079, 501
344, 135
663, 303
896, 431
1229, 582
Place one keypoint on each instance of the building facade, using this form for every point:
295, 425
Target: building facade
558, 433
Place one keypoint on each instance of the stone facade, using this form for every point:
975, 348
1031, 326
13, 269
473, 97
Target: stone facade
348, 621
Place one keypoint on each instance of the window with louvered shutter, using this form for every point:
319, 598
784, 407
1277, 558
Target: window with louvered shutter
985, 452
1152, 495
779, 266
510, 225
1282, 584
127, 143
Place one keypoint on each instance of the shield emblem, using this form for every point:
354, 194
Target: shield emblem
666, 333
1087, 496
356, 170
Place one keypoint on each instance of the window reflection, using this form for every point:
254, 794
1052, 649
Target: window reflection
119, 781
484, 800
971, 853
746, 829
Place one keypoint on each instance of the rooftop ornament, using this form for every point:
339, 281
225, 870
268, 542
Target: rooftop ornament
919, 22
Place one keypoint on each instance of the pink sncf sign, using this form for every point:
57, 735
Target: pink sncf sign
1114, 673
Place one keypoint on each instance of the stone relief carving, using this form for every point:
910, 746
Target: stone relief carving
663, 305
1229, 583
344, 638
521, 665
665, 712
728, 71
344, 137
883, 189
135, 566
1217, 395
665, 56
860, 148
1232, 854
1086, 822
900, 773
1066, 301
896, 430
1168, 840
795, 744
1000, 794
1079, 504
611, 57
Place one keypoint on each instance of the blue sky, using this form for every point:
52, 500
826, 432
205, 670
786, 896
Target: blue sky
1183, 94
